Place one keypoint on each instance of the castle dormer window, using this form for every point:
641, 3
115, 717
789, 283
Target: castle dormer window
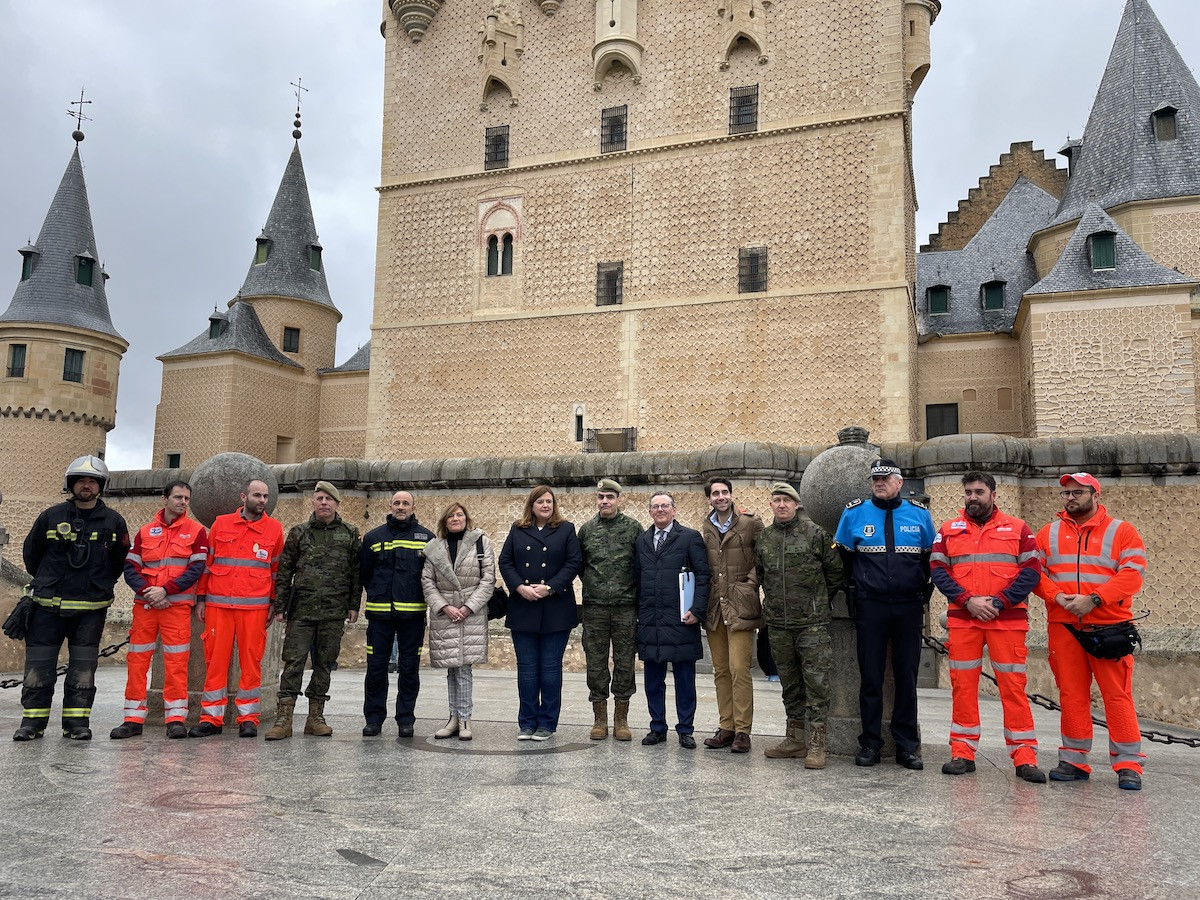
262, 251
992, 295
314, 257
85, 268
1102, 249
27, 256
938, 298
1164, 124
217, 324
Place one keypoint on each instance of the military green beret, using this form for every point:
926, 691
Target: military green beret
782, 487
329, 489
608, 484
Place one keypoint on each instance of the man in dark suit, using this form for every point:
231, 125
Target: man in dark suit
668, 555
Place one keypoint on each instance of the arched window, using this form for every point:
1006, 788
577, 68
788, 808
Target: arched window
507, 255
493, 256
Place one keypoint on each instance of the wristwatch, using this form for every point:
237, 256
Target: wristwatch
998, 604
1095, 599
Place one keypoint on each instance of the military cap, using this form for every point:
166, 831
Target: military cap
609, 484
329, 489
782, 487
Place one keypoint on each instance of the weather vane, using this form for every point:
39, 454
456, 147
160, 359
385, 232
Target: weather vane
78, 116
299, 86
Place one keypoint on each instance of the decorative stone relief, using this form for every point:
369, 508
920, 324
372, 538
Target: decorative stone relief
501, 45
616, 39
743, 20
414, 16
550, 7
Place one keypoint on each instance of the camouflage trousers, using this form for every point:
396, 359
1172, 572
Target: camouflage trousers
323, 639
605, 627
804, 656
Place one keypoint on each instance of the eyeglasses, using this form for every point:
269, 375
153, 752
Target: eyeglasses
657, 506
1073, 495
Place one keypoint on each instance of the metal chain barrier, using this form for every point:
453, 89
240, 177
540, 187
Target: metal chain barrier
62, 670
1158, 737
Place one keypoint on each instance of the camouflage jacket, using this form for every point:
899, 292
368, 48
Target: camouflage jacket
799, 572
318, 571
608, 555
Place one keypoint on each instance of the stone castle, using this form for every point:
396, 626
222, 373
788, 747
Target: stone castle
682, 229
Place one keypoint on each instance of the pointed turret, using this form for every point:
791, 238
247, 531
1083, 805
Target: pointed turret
62, 281
1143, 135
287, 259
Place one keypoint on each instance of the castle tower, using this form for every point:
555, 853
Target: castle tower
58, 393
254, 370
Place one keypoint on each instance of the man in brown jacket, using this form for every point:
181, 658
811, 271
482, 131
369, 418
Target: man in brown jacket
734, 613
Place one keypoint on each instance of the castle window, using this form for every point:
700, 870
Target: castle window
940, 419
16, 361
27, 264
743, 109
578, 424
85, 266
1164, 124
314, 257
612, 128
215, 327
174, 460
1102, 248
493, 255
495, 147
752, 270
938, 298
506, 254
291, 340
992, 295
262, 251
610, 279
73, 366
1004, 399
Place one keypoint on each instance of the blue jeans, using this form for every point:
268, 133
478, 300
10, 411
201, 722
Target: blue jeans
539, 677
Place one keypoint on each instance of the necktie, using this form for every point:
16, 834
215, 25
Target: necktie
658, 540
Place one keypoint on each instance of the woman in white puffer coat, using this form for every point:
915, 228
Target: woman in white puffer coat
458, 580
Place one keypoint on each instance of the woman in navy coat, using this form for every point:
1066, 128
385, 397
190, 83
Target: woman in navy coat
539, 562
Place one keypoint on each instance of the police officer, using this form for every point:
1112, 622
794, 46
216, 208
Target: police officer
318, 589
392, 560
885, 545
75, 552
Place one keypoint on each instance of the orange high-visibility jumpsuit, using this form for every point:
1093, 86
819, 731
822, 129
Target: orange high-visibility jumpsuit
1104, 557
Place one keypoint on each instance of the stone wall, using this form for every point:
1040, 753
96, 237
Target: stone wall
981, 374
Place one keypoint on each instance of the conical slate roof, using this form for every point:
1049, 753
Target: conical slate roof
240, 331
1134, 267
1120, 158
51, 293
359, 362
291, 232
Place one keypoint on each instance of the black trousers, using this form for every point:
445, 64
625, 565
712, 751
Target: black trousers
48, 628
879, 625
381, 634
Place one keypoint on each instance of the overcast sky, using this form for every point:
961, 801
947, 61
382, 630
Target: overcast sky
192, 121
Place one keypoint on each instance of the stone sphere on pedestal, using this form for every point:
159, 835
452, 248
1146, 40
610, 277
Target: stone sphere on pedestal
837, 476
217, 485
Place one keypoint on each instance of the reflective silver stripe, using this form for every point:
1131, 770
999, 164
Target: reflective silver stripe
134, 705
1012, 736
964, 729
176, 648
166, 561
142, 648
170, 705
1093, 578
982, 558
1074, 757
966, 663
135, 715
1110, 538
1027, 556
1135, 567
181, 598
1125, 752
1010, 668
249, 706
209, 696
132, 557
253, 694
238, 601
939, 557
1060, 559
1084, 744
241, 563
197, 557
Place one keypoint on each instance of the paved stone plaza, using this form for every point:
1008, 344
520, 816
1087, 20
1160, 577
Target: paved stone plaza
371, 818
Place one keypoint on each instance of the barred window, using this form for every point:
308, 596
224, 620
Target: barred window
495, 147
73, 365
613, 123
743, 109
610, 278
752, 270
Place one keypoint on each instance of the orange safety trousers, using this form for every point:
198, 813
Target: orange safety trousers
1006, 649
175, 625
222, 627
1074, 670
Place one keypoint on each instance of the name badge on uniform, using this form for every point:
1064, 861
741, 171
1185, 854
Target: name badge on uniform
261, 554
156, 531
868, 530
959, 524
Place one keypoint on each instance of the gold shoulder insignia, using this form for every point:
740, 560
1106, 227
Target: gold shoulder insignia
918, 503
853, 503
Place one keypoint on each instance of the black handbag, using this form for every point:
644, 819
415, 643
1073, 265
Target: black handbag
497, 607
1108, 641
16, 626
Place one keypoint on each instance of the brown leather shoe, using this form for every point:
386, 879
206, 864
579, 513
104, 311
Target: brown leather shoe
741, 743
720, 740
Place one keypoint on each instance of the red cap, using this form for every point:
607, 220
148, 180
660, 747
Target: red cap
1082, 478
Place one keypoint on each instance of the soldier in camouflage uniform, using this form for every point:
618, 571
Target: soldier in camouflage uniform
318, 589
609, 608
800, 572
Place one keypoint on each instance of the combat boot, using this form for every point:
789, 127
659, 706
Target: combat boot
815, 758
621, 730
283, 720
792, 746
600, 727
315, 723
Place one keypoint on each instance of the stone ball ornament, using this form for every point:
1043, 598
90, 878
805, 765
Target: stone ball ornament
217, 485
835, 477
